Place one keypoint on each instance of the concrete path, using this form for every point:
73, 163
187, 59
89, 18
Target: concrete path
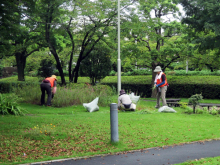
153, 156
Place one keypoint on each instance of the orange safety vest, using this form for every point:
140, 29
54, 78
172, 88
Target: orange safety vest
51, 81
160, 81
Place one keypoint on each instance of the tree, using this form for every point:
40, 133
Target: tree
46, 68
18, 35
202, 16
97, 65
158, 39
50, 17
98, 20
194, 100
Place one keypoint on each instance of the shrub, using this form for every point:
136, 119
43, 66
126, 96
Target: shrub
194, 100
97, 65
188, 110
112, 73
214, 110
199, 111
9, 105
183, 105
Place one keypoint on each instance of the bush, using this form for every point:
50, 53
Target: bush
112, 73
1, 70
193, 73
199, 111
188, 110
214, 110
46, 68
65, 72
183, 105
9, 105
137, 72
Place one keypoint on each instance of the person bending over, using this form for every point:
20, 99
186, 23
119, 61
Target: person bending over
48, 85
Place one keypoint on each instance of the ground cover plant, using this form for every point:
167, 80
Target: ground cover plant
72, 94
47, 133
9, 105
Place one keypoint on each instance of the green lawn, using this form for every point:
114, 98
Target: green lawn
47, 133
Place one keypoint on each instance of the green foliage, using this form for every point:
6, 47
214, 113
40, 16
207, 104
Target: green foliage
112, 73
214, 110
72, 94
137, 72
199, 111
193, 73
9, 86
57, 73
1, 69
97, 65
194, 100
188, 110
9, 105
200, 17
46, 68
183, 105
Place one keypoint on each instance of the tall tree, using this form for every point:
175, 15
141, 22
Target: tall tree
49, 17
154, 33
203, 16
203, 19
17, 34
97, 20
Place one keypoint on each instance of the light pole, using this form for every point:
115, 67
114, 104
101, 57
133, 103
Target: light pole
119, 60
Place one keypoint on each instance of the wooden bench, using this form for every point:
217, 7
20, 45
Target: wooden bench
208, 105
173, 102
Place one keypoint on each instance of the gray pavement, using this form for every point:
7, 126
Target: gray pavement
153, 156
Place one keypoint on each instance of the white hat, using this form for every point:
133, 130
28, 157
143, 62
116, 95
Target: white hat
157, 69
54, 76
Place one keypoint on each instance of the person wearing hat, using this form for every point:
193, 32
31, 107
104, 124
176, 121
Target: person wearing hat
46, 85
161, 83
124, 101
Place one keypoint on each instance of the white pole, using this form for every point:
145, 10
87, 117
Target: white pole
187, 66
136, 59
119, 60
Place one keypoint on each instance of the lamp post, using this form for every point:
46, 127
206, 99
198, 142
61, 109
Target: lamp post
119, 60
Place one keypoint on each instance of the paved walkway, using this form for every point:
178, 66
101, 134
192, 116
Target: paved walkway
152, 156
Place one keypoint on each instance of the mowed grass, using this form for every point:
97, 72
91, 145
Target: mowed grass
202, 161
47, 133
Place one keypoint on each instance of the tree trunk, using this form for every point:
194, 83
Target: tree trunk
194, 109
59, 67
21, 62
76, 72
71, 55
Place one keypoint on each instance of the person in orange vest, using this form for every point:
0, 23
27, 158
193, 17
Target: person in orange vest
161, 83
48, 85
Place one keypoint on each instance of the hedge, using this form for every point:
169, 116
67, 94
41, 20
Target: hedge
179, 86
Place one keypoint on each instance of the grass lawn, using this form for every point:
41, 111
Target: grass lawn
47, 133
202, 161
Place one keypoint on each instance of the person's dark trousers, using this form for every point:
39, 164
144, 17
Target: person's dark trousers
45, 87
